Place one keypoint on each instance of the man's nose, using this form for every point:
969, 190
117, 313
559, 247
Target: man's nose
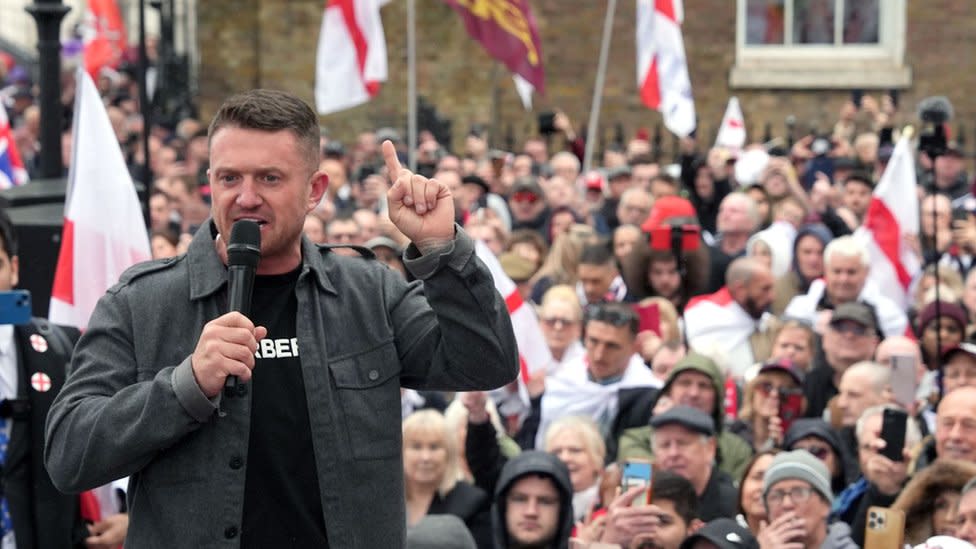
248, 197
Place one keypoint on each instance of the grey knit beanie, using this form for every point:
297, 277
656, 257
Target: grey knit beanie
440, 532
800, 465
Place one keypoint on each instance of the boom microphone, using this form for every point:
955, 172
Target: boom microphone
243, 255
935, 110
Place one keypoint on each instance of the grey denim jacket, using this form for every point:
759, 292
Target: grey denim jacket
131, 406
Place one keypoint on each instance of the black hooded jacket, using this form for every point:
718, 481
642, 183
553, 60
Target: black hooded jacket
536, 463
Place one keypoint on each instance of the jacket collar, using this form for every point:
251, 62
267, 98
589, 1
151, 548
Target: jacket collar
208, 273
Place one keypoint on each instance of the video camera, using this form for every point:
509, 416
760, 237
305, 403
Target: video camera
677, 239
934, 112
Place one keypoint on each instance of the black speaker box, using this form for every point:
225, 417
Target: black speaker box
39, 239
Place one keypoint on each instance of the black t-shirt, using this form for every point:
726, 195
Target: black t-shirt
282, 506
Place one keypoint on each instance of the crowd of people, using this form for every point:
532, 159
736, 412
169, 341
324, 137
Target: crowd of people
714, 316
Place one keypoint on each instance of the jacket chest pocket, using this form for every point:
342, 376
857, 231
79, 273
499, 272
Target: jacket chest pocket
368, 389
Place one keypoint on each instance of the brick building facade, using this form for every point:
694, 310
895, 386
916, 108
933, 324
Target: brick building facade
272, 43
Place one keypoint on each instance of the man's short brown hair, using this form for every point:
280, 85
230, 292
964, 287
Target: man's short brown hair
271, 111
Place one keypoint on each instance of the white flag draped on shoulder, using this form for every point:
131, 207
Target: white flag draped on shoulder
104, 229
662, 68
892, 214
534, 354
732, 132
351, 59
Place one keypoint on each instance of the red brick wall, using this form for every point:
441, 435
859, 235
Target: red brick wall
275, 46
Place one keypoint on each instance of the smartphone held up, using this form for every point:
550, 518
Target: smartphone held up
637, 473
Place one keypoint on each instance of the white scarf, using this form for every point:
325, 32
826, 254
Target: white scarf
571, 392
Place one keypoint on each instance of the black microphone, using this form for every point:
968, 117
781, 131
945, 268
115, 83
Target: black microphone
243, 255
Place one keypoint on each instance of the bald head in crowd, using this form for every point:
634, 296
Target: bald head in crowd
565, 165
750, 284
634, 207
863, 385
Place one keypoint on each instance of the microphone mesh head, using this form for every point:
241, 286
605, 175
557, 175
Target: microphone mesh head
244, 247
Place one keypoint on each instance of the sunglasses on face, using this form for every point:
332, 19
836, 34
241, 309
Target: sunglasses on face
853, 328
525, 196
769, 389
819, 452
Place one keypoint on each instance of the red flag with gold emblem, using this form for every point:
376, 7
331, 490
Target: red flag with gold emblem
507, 30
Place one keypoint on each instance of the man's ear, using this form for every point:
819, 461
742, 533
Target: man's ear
735, 289
319, 184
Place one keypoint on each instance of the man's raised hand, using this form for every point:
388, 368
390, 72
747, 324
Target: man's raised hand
421, 208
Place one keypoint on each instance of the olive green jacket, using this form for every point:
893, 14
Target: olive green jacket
732, 456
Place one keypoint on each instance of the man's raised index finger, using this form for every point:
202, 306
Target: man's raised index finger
392, 162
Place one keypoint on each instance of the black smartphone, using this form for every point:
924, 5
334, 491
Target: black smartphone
893, 425
546, 123
893, 94
856, 96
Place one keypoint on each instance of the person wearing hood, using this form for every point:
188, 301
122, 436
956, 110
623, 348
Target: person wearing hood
930, 499
817, 438
533, 505
797, 493
772, 249
807, 266
697, 382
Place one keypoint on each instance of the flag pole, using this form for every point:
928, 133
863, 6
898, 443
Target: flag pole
144, 106
412, 84
601, 74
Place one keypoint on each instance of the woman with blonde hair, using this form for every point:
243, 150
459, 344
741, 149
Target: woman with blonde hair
561, 322
759, 422
430, 476
576, 441
560, 265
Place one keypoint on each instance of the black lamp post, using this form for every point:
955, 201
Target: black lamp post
48, 15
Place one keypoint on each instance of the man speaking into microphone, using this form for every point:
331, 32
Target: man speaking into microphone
305, 452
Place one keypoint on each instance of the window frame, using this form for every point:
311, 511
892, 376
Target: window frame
856, 66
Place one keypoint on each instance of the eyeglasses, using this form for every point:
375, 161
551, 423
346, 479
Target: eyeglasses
819, 452
525, 196
798, 494
557, 322
769, 389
